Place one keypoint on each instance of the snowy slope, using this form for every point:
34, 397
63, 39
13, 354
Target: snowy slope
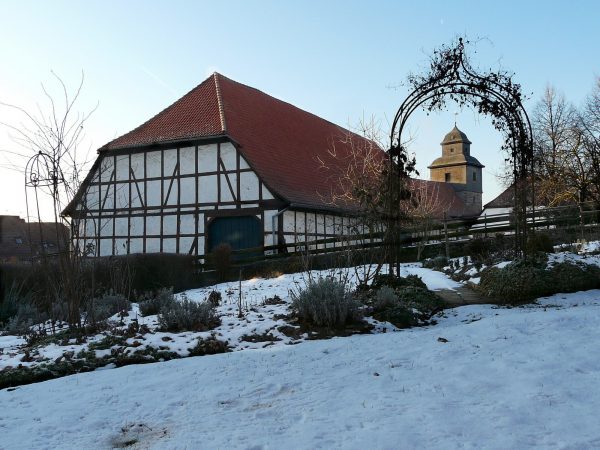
506, 378
258, 318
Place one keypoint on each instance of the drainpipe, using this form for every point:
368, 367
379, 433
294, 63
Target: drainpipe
273, 219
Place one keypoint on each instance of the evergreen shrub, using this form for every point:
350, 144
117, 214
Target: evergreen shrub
522, 281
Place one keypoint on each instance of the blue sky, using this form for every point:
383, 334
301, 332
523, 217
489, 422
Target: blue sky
341, 60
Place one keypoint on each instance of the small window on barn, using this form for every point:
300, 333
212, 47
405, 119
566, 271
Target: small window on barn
451, 149
18, 240
447, 178
474, 176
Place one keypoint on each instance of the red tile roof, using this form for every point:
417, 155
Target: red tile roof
438, 198
194, 115
286, 146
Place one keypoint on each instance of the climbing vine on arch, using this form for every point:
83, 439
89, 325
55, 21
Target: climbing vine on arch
451, 77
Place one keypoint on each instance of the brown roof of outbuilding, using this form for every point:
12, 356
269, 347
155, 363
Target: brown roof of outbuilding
440, 198
21, 240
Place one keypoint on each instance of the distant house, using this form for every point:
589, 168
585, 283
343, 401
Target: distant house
505, 202
227, 163
23, 242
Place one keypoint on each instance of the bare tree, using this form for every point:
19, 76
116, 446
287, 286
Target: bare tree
589, 123
563, 166
365, 181
53, 136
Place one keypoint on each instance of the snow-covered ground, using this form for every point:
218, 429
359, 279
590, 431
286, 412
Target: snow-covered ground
588, 253
518, 378
260, 318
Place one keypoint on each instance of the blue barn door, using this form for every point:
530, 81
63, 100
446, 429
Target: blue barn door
239, 232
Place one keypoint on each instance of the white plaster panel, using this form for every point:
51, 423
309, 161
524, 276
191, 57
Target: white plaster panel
300, 222
169, 225
91, 198
105, 247
329, 227
185, 243
152, 245
249, 186
187, 160
207, 158
229, 156
187, 224
288, 221
207, 189
188, 190
170, 197
121, 227
153, 194
153, 225
106, 227
243, 163
122, 167
201, 245
136, 226
266, 194
169, 245
268, 240
310, 224
200, 223
121, 246
90, 227
136, 201
226, 195
137, 165
122, 191
107, 196
170, 156
106, 168
153, 164
136, 245
320, 224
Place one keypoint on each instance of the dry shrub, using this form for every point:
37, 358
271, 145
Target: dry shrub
326, 302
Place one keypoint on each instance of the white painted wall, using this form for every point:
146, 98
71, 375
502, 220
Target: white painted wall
111, 194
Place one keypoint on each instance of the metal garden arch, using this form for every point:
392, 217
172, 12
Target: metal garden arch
450, 76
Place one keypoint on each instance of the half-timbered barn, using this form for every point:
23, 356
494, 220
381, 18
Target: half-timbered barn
226, 163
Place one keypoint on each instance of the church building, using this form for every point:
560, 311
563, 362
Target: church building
462, 171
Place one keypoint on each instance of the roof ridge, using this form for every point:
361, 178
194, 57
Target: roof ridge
220, 101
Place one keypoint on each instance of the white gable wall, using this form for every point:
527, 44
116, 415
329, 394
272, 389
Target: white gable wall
161, 200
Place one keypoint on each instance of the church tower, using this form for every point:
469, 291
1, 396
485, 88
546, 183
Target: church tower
457, 167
